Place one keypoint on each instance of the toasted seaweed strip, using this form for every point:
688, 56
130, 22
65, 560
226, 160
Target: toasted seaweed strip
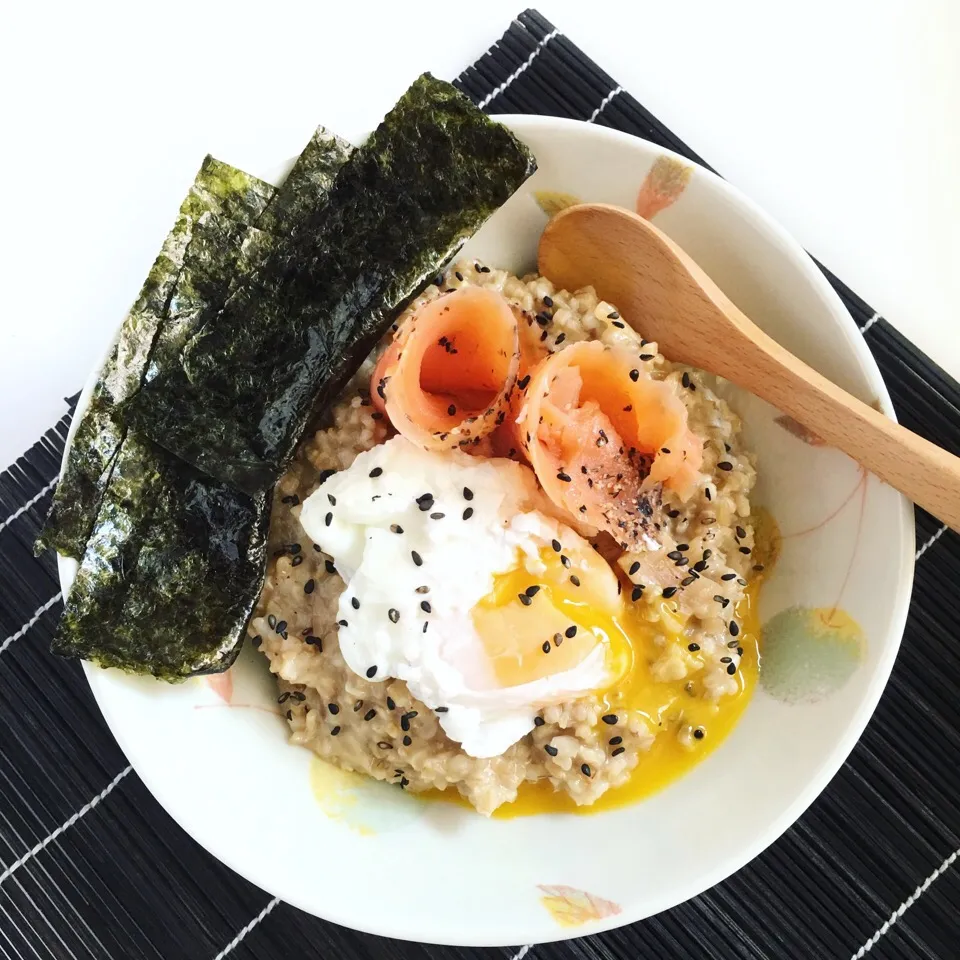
218, 189
312, 306
171, 572
309, 180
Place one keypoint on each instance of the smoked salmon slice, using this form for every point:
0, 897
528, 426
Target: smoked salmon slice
602, 436
448, 377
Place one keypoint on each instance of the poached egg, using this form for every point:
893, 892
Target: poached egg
461, 582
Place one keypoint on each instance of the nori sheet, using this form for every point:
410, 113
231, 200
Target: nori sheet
218, 189
311, 304
171, 573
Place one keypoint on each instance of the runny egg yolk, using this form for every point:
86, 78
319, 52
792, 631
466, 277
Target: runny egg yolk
634, 636
536, 625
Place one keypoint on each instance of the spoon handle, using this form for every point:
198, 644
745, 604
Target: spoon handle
927, 474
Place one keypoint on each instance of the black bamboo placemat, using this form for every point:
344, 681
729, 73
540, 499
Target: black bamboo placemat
91, 866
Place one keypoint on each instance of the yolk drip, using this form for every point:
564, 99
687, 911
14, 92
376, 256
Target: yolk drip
634, 635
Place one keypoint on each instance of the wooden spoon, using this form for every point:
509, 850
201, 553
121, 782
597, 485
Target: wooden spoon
672, 301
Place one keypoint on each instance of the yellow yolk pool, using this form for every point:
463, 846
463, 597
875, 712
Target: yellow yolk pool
514, 642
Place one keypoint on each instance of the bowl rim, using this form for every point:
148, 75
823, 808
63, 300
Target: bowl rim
902, 525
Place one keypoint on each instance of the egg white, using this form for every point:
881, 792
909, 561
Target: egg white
481, 517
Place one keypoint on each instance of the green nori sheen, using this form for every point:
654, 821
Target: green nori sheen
171, 573
312, 304
220, 190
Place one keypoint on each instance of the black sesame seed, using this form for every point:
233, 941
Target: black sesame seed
618, 751
417, 559
685, 379
571, 631
293, 500
422, 589
758, 568
441, 709
330, 568
326, 475
565, 477
634, 567
468, 513
647, 356
700, 566
610, 718
384, 745
673, 514
272, 621
426, 624
724, 465
560, 339
334, 731
718, 598
396, 528
309, 586
283, 698
375, 472
281, 626
683, 547
556, 545
532, 590
734, 628
394, 614
732, 643
707, 554
407, 741
332, 499
693, 647
565, 561
674, 555
371, 672
370, 714
686, 581
619, 323
341, 623
458, 275
634, 375
328, 519
256, 641
585, 769
524, 599
425, 606
437, 516
614, 741
613, 315
636, 593
358, 705
668, 592
731, 668
741, 533
523, 381
296, 561
551, 749
467, 493
707, 493
745, 551
682, 562
538, 721
545, 646
698, 733
729, 576
574, 579
451, 410
547, 301
333, 708
664, 449
741, 581
726, 659
739, 651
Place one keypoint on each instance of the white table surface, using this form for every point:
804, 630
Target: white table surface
840, 117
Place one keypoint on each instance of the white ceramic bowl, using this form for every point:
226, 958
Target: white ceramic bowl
368, 856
